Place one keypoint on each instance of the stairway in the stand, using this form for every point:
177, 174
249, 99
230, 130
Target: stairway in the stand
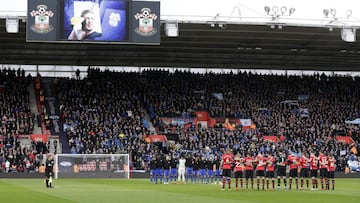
53, 111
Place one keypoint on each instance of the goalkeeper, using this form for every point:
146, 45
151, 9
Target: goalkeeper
49, 167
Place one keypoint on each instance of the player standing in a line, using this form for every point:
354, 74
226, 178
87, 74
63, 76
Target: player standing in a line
181, 170
260, 170
173, 169
304, 171
217, 169
314, 160
238, 170
166, 165
281, 169
249, 170
152, 169
226, 162
293, 164
270, 171
331, 171
323, 161
210, 170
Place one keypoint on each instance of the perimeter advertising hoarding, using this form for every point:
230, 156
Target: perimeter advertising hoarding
94, 21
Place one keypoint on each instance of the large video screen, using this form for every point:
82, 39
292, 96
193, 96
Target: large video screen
93, 21
102, 20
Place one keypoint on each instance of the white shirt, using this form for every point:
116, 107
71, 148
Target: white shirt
182, 163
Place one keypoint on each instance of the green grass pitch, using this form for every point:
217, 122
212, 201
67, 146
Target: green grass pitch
142, 191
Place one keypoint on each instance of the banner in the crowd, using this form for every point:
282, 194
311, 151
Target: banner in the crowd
270, 138
218, 96
177, 121
355, 121
39, 138
156, 138
344, 139
202, 116
304, 113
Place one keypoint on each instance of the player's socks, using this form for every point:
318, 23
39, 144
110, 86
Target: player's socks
252, 183
229, 182
236, 183
223, 182
47, 183
290, 183
322, 183
307, 183
273, 183
333, 184
285, 182
247, 183
279, 181
263, 183
301, 183
327, 183
241, 182
267, 184
297, 183
258, 183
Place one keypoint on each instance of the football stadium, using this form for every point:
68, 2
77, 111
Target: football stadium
171, 101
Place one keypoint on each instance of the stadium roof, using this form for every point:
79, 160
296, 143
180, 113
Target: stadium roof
205, 42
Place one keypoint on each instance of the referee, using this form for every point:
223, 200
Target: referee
49, 167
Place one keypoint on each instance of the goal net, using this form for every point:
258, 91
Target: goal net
92, 166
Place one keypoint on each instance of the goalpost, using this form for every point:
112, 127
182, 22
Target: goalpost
92, 166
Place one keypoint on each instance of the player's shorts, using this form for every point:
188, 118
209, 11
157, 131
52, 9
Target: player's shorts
210, 173
202, 172
249, 174
323, 173
314, 173
304, 172
293, 173
226, 172
173, 172
260, 173
331, 174
166, 172
48, 174
218, 172
281, 171
238, 174
270, 174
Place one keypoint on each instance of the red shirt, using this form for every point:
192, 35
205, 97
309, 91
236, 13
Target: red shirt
304, 162
293, 161
249, 163
261, 163
227, 159
270, 163
323, 161
313, 163
331, 164
239, 166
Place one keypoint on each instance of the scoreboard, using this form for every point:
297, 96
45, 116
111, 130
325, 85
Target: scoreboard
93, 21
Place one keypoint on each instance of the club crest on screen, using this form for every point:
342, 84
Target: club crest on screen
42, 19
146, 19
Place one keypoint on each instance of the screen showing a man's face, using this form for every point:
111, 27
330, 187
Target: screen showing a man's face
89, 21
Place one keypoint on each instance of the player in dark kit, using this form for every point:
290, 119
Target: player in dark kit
281, 168
49, 167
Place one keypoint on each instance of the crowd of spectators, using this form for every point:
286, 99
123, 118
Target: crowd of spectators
15, 119
104, 112
112, 112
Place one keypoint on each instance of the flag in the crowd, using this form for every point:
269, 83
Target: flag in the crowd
304, 113
219, 96
355, 121
245, 122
